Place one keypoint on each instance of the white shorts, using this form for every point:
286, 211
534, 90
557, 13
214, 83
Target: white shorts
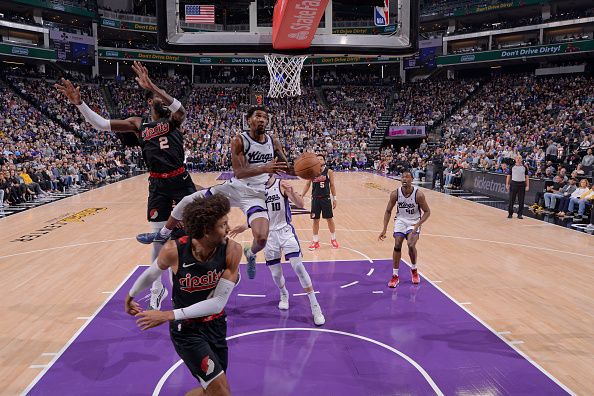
284, 240
251, 201
404, 227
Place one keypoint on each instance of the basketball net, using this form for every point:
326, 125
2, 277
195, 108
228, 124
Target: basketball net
285, 74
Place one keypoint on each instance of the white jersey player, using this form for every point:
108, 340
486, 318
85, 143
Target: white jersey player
254, 157
411, 213
282, 239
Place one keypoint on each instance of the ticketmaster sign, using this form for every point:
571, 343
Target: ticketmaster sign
528, 52
493, 185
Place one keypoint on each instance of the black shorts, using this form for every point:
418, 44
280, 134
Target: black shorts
164, 192
202, 347
321, 205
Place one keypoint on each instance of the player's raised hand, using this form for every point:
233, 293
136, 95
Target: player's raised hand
275, 167
142, 74
72, 93
237, 230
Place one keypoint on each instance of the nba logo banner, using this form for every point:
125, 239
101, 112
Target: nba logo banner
381, 15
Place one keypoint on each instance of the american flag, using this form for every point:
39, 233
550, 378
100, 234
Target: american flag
200, 13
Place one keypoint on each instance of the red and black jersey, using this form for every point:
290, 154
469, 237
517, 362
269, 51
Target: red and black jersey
320, 186
195, 280
162, 145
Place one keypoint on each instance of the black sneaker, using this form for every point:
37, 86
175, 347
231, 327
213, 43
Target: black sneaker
520, 217
509, 216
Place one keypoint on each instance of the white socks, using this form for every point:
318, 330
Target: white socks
333, 236
165, 231
316, 238
394, 272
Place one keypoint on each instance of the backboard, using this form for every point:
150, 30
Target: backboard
244, 27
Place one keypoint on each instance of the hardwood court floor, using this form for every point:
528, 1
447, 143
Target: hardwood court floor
525, 278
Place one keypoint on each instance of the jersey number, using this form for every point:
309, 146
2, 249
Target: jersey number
322, 184
410, 211
163, 142
276, 206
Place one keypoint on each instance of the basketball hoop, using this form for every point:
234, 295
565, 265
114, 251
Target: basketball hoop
285, 74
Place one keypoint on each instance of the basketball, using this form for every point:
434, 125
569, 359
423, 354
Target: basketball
307, 166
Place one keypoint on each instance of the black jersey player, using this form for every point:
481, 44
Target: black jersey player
322, 204
205, 267
162, 148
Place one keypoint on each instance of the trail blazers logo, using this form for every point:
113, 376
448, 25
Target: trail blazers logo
207, 365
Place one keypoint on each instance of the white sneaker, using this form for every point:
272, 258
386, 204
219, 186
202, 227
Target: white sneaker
284, 302
157, 297
318, 317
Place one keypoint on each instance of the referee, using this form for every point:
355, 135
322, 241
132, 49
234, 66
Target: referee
517, 184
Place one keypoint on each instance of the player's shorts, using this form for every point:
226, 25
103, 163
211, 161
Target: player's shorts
283, 240
163, 193
404, 227
250, 200
202, 347
323, 206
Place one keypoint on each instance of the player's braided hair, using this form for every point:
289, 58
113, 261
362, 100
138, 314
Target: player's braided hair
202, 214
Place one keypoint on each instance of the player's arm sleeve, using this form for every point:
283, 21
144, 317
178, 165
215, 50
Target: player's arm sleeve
93, 118
147, 278
210, 306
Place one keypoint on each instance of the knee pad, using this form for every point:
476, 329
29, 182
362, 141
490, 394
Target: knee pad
301, 272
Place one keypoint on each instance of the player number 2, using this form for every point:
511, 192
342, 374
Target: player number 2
276, 206
163, 142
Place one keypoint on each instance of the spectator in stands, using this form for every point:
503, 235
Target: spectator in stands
554, 191
582, 201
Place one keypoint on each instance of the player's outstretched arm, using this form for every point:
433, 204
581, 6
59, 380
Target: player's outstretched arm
71, 92
388, 213
238, 230
178, 112
239, 163
293, 195
279, 154
167, 258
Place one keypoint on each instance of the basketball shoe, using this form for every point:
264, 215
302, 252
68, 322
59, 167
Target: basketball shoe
151, 237
251, 262
334, 244
284, 301
157, 297
318, 317
394, 281
314, 246
416, 279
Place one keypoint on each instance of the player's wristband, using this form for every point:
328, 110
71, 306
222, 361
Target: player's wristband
175, 105
334, 197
